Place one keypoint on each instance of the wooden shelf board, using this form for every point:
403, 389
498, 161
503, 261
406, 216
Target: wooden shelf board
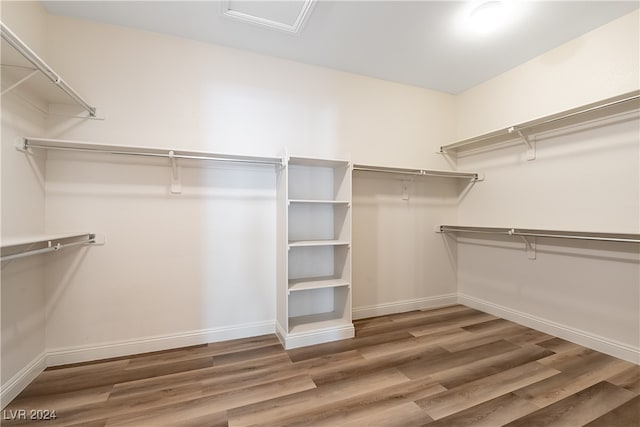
306, 161
312, 201
306, 243
316, 283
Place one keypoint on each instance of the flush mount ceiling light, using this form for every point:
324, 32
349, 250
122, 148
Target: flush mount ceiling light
487, 16
288, 16
484, 17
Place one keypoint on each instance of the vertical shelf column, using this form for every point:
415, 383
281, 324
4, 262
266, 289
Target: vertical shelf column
314, 252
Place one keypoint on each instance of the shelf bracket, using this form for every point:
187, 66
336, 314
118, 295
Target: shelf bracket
405, 189
176, 183
531, 145
19, 82
529, 245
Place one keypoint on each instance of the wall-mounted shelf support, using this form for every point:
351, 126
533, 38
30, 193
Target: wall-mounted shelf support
176, 183
529, 243
531, 145
405, 189
19, 82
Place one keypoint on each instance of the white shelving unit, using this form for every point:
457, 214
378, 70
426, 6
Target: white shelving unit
314, 251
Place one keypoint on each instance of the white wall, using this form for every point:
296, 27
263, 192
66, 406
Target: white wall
22, 213
584, 178
165, 91
179, 269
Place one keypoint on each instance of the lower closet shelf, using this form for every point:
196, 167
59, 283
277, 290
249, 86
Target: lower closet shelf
317, 322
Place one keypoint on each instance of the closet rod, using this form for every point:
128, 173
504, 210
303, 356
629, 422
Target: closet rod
560, 234
53, 144
24, 50
50, 248
387, 170
419, 172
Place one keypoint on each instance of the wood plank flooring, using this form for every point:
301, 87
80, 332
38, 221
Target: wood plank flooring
453, 366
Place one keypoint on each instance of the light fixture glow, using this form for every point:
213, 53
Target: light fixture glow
487, 16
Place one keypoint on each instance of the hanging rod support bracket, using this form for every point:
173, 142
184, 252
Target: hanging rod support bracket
22, 145
529, 243
176, 182
531, 145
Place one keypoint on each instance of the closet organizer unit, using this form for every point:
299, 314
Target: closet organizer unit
314, 251
28, 78
600, 113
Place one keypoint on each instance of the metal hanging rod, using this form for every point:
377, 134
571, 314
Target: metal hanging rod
14, 41
614, 105
57, 144
419, 172
557, 234
44, 246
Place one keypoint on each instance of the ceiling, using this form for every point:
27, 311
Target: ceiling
420, 43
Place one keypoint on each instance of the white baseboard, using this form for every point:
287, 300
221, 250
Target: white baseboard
404, 306
22, 379
318, 337
66, 355
596, 342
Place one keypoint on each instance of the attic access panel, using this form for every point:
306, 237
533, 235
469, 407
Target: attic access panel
288, 16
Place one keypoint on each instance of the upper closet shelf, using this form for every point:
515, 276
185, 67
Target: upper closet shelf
420, 172
21, 66
130, 150
597, 110
20, 247
558, 234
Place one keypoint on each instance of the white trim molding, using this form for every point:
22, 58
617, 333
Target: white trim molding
303, 339
595, 342
22, 379
404, 306
66, 355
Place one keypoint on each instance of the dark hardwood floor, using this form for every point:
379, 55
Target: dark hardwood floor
452, 366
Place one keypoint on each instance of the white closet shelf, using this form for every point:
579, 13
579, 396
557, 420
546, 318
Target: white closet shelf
419, 172
596, 110
21, 65
316, 283
130, 150
320, 202
22, 246
308, 161
317, 322
307, 243
9, 242
558, 234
